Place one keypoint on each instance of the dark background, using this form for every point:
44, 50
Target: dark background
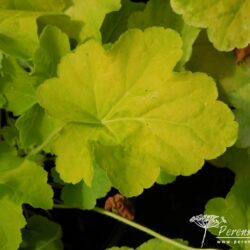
163, 208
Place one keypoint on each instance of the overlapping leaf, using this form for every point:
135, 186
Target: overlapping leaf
17, 180
18, 24
17, 186
227, 21
237, 159
17, 86
116, 22
159, 13
121, 113
221, 66
240, 99
84, 197
53, 45
36, 127
155, 244
235, 209
41, 234
11, 223
92, 14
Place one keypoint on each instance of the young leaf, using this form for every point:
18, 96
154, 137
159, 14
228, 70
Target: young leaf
227, 22
18, 32
10, 134
11, 223
237, 159
165, 178
84, 197
92, 14
17, 86
159, 13
2, 101
221, 66
41, 234
159, 245
154, 244
36, 5
17, 180
120, 248
235, 209
54, 44
240, 99
111, 32
37, 128
121, 113
18, 24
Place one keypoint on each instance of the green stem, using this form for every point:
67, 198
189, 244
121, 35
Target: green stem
47, 141
135, 225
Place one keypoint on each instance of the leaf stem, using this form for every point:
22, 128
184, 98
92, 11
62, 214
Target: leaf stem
134, 225
47, 141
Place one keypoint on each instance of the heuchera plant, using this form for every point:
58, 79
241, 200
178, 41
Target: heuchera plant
124, 95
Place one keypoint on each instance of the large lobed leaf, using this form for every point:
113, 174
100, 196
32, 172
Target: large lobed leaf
125, 107
227, 21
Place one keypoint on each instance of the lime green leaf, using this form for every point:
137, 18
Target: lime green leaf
153, 244
120, 248
235, 209
2, 101
73, 164
159, 13
111, 32
12, 220
37, 5
165, 178
17, 180
8, 156
113, 104
41, 5
18, 24
92, 14
207, 59
41, 234
54, 44
18, 32
17, 86
70, 27
84, 197
241, 101
10, 133
36, 128
158, 245
227, 22
237, 159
